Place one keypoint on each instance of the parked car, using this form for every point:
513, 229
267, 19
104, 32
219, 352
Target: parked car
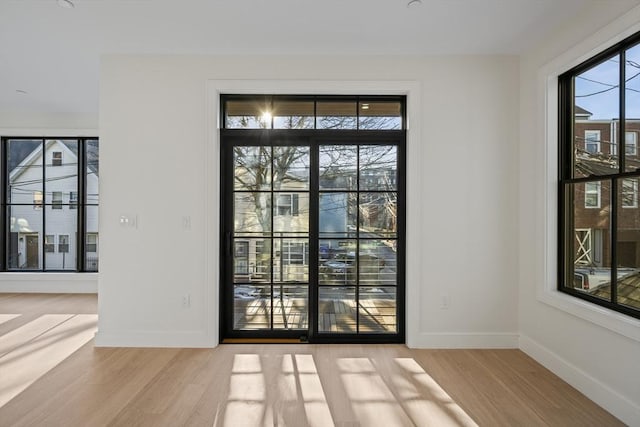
342, 268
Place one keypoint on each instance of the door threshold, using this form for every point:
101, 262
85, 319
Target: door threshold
263, 341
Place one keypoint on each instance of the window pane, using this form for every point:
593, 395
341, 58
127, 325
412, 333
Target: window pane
378, 168
291, 213
91, 248
337, 214
378, 214
252, 213
338, 167
596, 119
24, 160
251, 307
628, 245
377, 309
293, 114
64, 177
589, 240
290, 307
25, 245
380, 115
336, 115
93, 169
632, 108
58, 223
248, 114
252, 166
337, 310
378, 262
252, 260
291, 168
337, 262
291, 260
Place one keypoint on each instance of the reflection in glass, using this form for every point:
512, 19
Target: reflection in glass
337, 310
337, 214
251, 307
26, 238
378, 262
248, 114
290, 307
337, 262
336, 115
589, 247
380, 115
252, 213
378, 214
377, 310
291, 168
632, 108
597, 119
338, 166
378, 168
292, 114
62, 224
251, 260
91, 247
291, 261
61, 169
252, 166
93, 170
628, 245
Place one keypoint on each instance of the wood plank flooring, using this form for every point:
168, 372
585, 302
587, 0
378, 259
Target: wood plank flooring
265, 384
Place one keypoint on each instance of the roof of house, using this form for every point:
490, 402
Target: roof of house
628, 291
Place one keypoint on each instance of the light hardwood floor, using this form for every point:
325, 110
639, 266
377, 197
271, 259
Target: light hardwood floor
51, 375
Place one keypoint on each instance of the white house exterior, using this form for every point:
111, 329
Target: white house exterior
44, 217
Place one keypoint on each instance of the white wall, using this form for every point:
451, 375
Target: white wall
594, 349
156, 166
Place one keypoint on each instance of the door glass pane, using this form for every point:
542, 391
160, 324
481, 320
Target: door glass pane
291, 260
252, 166
596, 120
378, 214
378, 168
291, 168
377, 309
291, 213
337, 310
252, 213
628, 244
338, 214
290, 307
378, 262
338, 167
337, 262
590, 247
252, 260
251, 307
25, 246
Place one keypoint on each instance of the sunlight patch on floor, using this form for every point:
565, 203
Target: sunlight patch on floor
6, 317
32, 350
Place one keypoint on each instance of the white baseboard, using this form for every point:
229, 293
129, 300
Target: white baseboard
49, 283
617, 404
463, 340
181, 339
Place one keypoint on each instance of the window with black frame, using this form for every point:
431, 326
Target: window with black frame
599, 219
50, 201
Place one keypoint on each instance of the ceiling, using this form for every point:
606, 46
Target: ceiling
53, 53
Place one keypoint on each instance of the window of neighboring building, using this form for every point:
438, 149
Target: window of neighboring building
56, 158
592, 141
73, 200
631, 143
46, 231
599, 245
63, 243
592, 195
56, 200
287, 204
49, 243
630, 193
